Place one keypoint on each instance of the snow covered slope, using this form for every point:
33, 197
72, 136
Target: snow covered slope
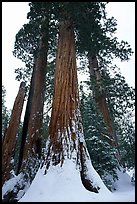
63, 184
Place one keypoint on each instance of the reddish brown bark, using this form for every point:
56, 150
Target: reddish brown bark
65, 128
100, 98
9, 139
65, 93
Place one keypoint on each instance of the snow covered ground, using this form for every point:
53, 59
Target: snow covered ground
63, 184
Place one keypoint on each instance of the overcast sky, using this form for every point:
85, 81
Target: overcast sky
14, 15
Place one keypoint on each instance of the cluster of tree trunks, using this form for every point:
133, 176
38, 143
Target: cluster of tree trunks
66, 139
65, 125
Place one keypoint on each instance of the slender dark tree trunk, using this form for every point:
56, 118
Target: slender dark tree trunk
100, 98
9, 139
31, 135
66, 139
26, 121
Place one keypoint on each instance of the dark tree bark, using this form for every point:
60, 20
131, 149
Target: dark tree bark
100, 98
9, 139
26, 121
31, 135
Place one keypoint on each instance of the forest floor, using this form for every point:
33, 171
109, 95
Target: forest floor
63, 184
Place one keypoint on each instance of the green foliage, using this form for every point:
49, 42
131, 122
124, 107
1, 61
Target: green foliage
101, 153
94, 32
95, 36
27, 39
5, 112
127, 145
49, 83
121, 100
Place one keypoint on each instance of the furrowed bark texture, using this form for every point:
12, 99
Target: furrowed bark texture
31, 148
36, 115
65, 128
9, 139
65, 94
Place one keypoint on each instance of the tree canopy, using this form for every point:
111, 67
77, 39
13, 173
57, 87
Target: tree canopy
94, 33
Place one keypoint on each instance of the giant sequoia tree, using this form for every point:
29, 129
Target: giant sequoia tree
100, 48
66, 139
80, 29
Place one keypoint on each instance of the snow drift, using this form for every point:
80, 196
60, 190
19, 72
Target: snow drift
63, 184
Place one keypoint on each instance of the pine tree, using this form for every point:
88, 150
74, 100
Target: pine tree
100, 52
103, 154
121, 104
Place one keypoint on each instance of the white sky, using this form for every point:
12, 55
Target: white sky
14, 15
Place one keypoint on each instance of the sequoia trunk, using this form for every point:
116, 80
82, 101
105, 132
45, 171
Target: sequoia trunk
100, 98
66, 139
37, 103
62, 124
31, 148
9, 139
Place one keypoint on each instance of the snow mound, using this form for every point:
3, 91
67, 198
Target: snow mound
123, 181
10, 184
63, 184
